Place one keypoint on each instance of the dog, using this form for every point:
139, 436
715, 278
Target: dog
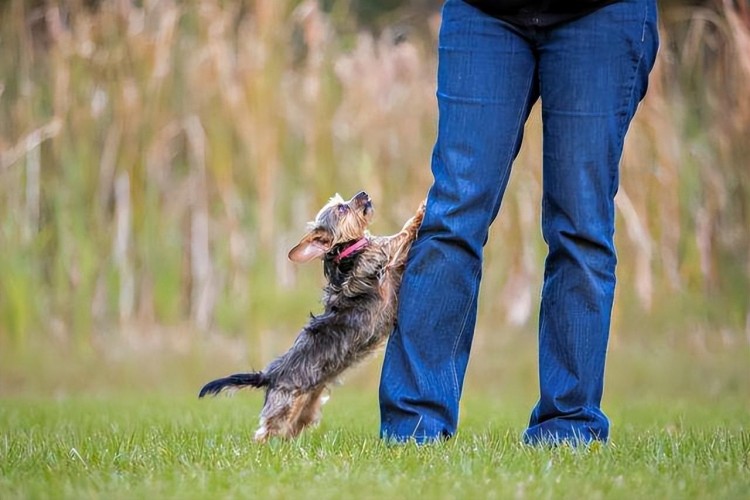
363, 274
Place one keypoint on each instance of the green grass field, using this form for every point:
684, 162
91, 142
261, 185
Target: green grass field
183, 448
668, 441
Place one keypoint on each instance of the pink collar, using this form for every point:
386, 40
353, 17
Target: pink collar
358, 245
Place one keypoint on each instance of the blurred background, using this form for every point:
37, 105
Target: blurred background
158, 158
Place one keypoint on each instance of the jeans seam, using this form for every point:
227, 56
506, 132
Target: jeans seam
629, 111
523, 110
460, 335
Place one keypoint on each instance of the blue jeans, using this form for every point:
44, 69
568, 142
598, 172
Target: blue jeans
590, 73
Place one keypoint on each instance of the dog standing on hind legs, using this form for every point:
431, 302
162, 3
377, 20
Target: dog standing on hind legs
360, 298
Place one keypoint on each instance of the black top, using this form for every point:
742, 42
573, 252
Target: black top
541, 13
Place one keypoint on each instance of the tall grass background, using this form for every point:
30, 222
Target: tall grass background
159, 158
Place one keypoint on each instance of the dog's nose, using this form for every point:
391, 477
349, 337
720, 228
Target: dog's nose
362, 200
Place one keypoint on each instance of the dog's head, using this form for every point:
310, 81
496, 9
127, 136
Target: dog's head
339, 221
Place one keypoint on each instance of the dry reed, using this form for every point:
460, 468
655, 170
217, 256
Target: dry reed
156, 162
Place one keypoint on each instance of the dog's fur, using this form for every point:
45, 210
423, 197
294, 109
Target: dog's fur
360, 302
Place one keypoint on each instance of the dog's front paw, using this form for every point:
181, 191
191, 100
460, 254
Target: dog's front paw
421, 210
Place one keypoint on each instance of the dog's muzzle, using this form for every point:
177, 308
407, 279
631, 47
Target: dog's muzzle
362, 200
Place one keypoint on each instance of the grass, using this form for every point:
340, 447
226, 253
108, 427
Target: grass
130, 426
179, 447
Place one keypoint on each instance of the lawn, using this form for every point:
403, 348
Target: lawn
176, 446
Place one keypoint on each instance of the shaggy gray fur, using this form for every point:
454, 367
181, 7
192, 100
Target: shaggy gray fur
360, 301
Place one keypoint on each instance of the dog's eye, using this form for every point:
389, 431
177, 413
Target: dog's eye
343, 208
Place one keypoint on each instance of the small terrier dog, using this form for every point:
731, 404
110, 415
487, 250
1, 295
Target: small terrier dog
360, 300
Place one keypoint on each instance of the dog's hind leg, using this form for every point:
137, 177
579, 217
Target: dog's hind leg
280, 414
274, 414
311, 412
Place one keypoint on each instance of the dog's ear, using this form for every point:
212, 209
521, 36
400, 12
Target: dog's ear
312, 245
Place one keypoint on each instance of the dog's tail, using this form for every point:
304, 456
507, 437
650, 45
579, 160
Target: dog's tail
236, 381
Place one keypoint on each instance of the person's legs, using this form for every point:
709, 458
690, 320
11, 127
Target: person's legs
486, 86
592, 74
